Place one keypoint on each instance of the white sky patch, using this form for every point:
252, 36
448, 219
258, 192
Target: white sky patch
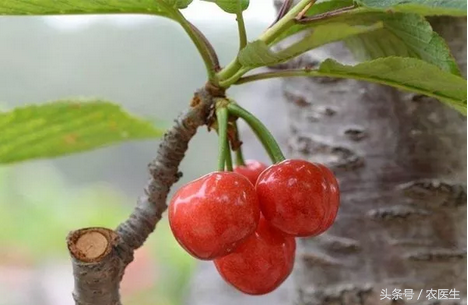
260, 11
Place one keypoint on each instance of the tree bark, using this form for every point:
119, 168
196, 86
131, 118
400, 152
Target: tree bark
99, 255
401, 162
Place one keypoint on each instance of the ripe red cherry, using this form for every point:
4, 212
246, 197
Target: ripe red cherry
261, 263
298, 197
252, 169
334, 198
212, 215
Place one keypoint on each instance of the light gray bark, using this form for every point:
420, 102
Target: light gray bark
401, 162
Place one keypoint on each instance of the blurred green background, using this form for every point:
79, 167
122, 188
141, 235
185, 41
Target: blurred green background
149, 66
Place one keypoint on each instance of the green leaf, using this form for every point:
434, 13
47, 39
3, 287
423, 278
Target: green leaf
405, 73
405, 35
258, 54
421, 7
62, 7
326, 34
180, 4
64, 127
231, 6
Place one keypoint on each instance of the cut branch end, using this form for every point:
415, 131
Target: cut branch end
91, 244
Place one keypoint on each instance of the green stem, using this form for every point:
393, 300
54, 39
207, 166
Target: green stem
233, 79
199, 45
234, 70
316, 19
239, 155
214, 60
284, 23
233, 67
198, 41
228, 157
278, 74
230, 69
222, 116
242, 31
263, 134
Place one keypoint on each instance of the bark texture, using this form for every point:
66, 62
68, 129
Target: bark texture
100, 255
401, 162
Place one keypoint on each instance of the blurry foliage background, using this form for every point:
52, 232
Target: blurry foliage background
151, 69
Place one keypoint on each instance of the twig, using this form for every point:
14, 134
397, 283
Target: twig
100, 255
283, 11
199, 40
326, 15
208, 45
304, 10
242, 31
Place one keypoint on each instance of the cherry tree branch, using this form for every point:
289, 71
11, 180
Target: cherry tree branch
285, 7
100, 255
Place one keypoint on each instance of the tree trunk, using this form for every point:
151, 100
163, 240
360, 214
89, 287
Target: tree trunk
401, 162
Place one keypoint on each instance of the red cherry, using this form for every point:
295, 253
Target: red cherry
295, 197
252, 169
334, 198
212, 215
261, 263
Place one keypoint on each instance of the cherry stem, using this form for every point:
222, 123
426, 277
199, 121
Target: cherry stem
228, 157
222, 116
263, 134
239, 155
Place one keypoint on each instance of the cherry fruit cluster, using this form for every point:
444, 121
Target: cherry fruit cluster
246, 220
